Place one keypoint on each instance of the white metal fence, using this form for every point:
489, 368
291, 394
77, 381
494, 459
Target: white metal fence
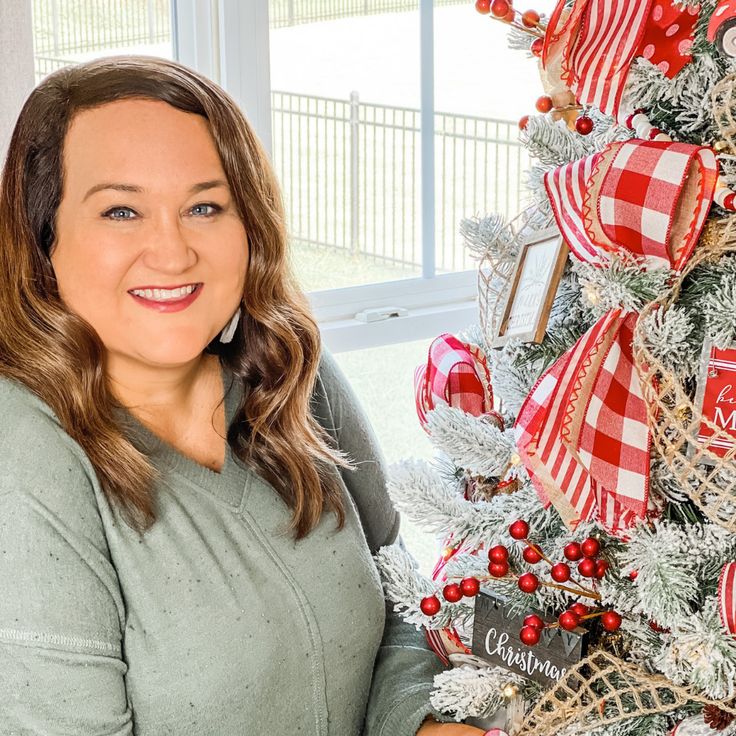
350, 173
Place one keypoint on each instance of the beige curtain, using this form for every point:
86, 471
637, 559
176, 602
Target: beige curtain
16, 64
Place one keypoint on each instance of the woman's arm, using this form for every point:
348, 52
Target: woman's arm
405, 666
61, 669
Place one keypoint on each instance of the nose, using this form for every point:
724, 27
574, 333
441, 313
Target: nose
168, 247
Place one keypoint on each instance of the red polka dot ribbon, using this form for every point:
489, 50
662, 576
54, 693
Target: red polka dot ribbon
668, 37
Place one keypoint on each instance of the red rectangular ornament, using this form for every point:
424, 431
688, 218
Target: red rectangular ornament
718, 391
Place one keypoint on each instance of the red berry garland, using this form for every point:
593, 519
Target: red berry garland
587, 567
533, 620
560, 572
483, 6
611, 621
580, 608
430, 605
569, 620
530, 635
498, 554
531, 555
470, 587
544, 103
528, 582
537, 47
500, 8
584, 125
519, 530
498, 569
530, 18
591, 547
452, 593
573, 552
523, 122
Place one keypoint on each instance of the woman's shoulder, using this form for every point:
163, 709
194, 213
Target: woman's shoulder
27, 417
36, 453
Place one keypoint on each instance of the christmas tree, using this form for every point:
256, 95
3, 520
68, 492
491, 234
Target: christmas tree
584, 479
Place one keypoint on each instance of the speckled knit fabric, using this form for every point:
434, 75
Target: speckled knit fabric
215, 621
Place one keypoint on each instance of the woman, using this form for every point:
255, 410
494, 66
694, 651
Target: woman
185, 545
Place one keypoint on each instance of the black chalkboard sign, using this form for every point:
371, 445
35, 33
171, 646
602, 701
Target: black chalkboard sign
496, 640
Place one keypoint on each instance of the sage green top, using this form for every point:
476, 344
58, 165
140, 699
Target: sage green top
215, 621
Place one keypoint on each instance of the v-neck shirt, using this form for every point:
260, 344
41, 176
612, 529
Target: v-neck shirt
215, 621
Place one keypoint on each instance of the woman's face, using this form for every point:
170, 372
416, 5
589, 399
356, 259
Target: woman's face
146, 205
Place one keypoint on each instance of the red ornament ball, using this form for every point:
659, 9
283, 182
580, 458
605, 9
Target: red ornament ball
601, 568
569, 620
586, 567
580, 608
537, 47
430, 605
729, 202
500, 8
530, 18
560, 572
611, 621
591, 547
535, 621
531, 555
470, 587
452, 593
530, 635
523, 122
528, 582
544, 103
498, 554
584, 125
573, 552
498, 569
483, 6
519, 530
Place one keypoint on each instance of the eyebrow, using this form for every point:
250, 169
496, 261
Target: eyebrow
202, 186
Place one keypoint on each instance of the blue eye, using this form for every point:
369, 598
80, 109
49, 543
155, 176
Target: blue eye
112, 210
215, 207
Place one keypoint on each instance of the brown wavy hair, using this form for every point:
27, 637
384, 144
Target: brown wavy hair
59, 356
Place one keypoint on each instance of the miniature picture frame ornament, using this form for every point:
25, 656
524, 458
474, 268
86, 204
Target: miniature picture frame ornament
539, 267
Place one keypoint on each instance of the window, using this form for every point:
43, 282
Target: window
70, 31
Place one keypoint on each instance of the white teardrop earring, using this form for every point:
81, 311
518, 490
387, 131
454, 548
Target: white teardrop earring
227, 334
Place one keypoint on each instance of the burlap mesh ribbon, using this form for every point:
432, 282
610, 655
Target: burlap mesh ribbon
675, 420
601, 690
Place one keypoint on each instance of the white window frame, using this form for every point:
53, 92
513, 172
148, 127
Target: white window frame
228, 40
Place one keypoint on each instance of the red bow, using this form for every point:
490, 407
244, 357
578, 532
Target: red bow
455, 373
583, 431
592, 46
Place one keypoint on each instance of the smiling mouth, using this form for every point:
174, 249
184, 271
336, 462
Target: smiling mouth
165, 295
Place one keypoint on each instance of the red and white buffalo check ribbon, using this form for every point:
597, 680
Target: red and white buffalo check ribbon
583, 431
727, 596
455, 373
644, 198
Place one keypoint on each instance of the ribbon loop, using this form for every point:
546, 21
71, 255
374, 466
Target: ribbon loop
583, 430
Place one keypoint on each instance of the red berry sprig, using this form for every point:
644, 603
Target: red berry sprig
584, 125
503, 10
452, 593
430, 606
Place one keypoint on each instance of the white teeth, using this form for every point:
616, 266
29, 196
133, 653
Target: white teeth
162, 295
